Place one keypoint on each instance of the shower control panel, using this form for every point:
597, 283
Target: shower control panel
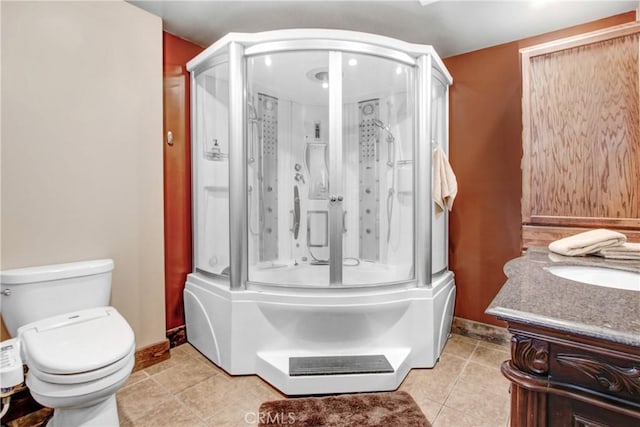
369, 179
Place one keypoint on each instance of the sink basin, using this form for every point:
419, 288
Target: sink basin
600, 276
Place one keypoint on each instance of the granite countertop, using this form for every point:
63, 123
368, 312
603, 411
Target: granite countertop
534, 296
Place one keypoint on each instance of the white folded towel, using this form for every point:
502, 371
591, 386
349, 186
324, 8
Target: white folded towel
445, 185
623, 251
588, 242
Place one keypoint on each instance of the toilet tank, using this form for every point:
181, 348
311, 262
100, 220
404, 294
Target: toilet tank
35, 293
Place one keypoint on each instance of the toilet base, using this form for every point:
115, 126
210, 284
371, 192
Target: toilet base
102, 414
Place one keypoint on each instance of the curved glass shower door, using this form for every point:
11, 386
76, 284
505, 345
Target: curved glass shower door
378, 174
288, 168
330, 148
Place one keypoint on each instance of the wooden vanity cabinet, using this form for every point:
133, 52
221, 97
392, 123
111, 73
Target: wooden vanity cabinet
561, 380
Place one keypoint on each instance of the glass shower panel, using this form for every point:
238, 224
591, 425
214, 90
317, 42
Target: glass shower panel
378, 140
288, 168
439, 94
212, 170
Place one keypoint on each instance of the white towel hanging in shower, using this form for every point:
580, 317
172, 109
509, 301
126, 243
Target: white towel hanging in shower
445, 185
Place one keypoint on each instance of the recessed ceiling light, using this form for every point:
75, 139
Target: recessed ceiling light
267, 61
353, 62
319, 75
537, 4
398, 69
325, 85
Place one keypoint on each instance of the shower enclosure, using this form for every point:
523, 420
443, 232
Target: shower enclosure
319, 263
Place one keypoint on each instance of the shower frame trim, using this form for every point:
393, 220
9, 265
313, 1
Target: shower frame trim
238, 227
335, 169
343, 37
330, 45
423, 178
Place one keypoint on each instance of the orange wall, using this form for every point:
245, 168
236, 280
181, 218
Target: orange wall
485, 152
177, 51
177, 173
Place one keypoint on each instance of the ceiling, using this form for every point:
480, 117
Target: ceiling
451, 26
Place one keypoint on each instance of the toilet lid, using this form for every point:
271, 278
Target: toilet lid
77, 342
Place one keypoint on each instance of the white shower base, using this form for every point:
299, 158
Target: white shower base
256, 331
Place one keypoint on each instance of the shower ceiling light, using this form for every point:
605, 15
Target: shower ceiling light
267, 61
353, 62
319, 75
322, 76
398, 69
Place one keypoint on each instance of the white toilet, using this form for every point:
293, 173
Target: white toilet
79, 350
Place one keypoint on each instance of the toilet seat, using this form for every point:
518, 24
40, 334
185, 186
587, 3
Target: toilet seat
83, 377
78, 347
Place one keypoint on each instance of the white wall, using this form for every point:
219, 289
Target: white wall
82, 146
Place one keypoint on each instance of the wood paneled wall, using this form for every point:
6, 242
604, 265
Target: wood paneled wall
485, 152
581, 138
584, 115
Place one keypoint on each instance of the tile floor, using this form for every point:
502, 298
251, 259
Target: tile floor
464, 389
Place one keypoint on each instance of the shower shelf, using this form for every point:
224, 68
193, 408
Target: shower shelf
216, 188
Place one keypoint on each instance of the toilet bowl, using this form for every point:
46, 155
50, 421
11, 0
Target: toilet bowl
77, 359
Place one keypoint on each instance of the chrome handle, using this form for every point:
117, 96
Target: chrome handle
306, 158
344, 222
6, 292
296, 212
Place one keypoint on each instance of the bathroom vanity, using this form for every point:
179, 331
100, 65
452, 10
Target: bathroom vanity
575, 347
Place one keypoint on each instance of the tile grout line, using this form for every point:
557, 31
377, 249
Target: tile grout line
189, 409
150, 410
174, 396
466, 362
441, 405
469, 360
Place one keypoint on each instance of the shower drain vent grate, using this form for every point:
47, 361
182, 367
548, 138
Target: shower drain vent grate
339, 365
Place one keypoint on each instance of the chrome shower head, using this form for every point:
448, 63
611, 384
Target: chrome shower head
253, 114
380, 124
391, 145
386, 128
